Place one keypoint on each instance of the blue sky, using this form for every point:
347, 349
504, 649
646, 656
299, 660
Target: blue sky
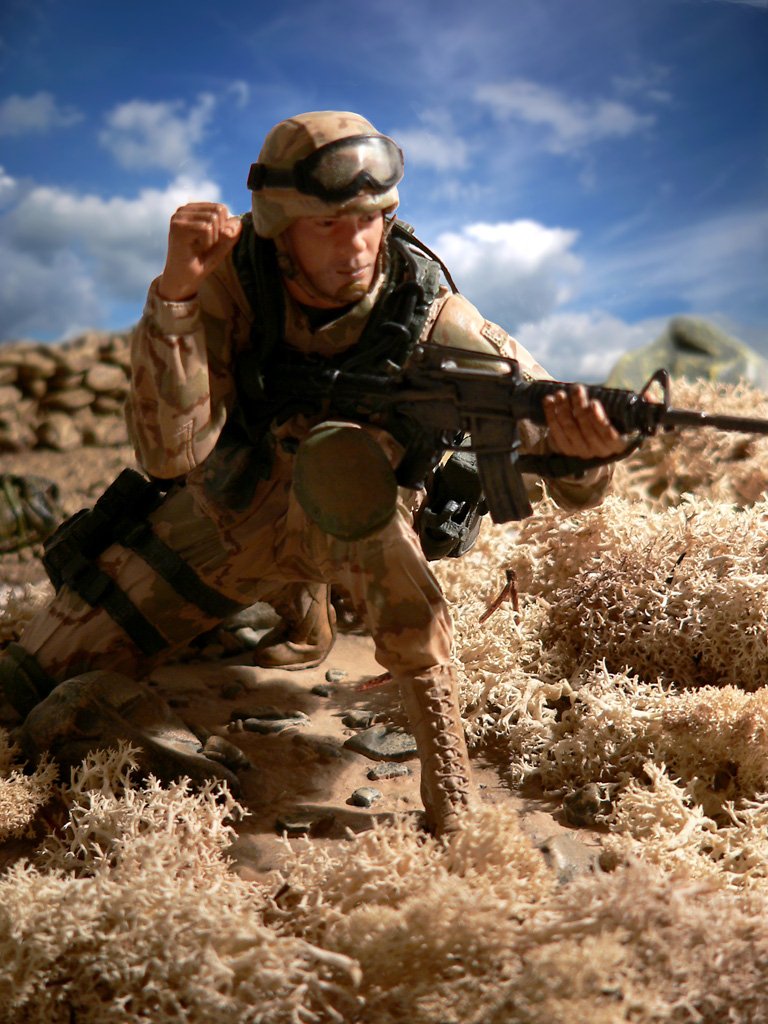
587, 168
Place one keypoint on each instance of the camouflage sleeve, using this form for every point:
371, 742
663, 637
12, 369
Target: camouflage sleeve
181, 381
456, 322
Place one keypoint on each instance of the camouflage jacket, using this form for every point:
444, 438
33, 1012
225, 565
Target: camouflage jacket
183, 354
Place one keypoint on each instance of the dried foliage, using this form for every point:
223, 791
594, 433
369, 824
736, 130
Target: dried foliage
18, 603
21, 795
726, 467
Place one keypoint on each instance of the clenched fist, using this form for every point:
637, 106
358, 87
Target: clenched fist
200, 236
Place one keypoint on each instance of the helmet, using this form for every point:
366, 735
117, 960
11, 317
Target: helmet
343, 480
322, 164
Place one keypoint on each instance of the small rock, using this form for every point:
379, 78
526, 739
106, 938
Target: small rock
257, 616
366, 796
569, 857
57, 431
226, 753
105, 378
335, 675
247, 637
321, 690
108, 405
583, 807
322, 750
10, 396
68, 400
381, 743
358, 719
293, 825
270, 720
106, 432
388, 770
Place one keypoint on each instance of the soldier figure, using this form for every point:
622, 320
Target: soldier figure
313, 276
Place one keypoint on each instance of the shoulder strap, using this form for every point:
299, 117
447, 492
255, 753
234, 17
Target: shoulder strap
255, 262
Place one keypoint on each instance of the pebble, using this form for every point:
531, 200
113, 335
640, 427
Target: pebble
569, 858
267, 724
388, 770
293, 825
321, 749
321, 690
219, 749
335, 675
247, 636
583, 807
366, 796
256, 616
381, 743
359, 719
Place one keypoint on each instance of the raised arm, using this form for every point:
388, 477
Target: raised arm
180, 349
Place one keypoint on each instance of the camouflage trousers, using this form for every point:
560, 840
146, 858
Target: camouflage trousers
250, 556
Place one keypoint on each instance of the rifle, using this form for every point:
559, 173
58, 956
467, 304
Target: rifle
452, 399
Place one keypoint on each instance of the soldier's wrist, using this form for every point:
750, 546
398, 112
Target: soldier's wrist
169, 316
169, 291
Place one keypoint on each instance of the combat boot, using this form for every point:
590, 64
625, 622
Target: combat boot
307, 633
432, 706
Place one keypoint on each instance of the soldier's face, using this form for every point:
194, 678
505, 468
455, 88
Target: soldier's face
337, 254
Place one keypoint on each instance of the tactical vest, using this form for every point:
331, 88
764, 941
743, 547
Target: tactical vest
387, 340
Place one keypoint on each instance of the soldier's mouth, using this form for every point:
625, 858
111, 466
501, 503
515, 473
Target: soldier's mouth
354, 273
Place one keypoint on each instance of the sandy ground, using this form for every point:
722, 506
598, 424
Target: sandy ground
303, 774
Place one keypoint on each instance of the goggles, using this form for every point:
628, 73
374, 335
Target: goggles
337, 171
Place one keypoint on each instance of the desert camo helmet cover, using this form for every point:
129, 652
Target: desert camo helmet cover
295, 139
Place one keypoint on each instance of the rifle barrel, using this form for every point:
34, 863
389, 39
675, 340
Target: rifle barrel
691, 418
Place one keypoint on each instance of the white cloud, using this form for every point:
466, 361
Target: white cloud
585, 346
435, 144
650, 83
70, 256
241, 92
572, 123
8, 188
43, 297
425, 148
514, 272
20, 115
142, 135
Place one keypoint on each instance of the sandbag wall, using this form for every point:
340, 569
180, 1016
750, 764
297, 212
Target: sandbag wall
64, 396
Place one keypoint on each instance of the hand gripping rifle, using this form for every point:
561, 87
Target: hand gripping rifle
452, 399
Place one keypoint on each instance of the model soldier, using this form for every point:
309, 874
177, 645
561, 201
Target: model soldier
316, 276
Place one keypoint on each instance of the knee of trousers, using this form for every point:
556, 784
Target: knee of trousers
23, 681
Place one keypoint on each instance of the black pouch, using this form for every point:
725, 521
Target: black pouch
449, 521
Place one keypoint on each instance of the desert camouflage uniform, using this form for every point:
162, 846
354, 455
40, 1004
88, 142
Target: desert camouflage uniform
182, 392
247, 537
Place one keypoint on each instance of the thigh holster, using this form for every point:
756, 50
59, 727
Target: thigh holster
120, 517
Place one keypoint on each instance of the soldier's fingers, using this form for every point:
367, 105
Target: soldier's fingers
578, 426
561, 423
199, 225
599, 436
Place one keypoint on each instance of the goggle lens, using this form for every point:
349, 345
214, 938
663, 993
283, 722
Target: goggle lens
338, 171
